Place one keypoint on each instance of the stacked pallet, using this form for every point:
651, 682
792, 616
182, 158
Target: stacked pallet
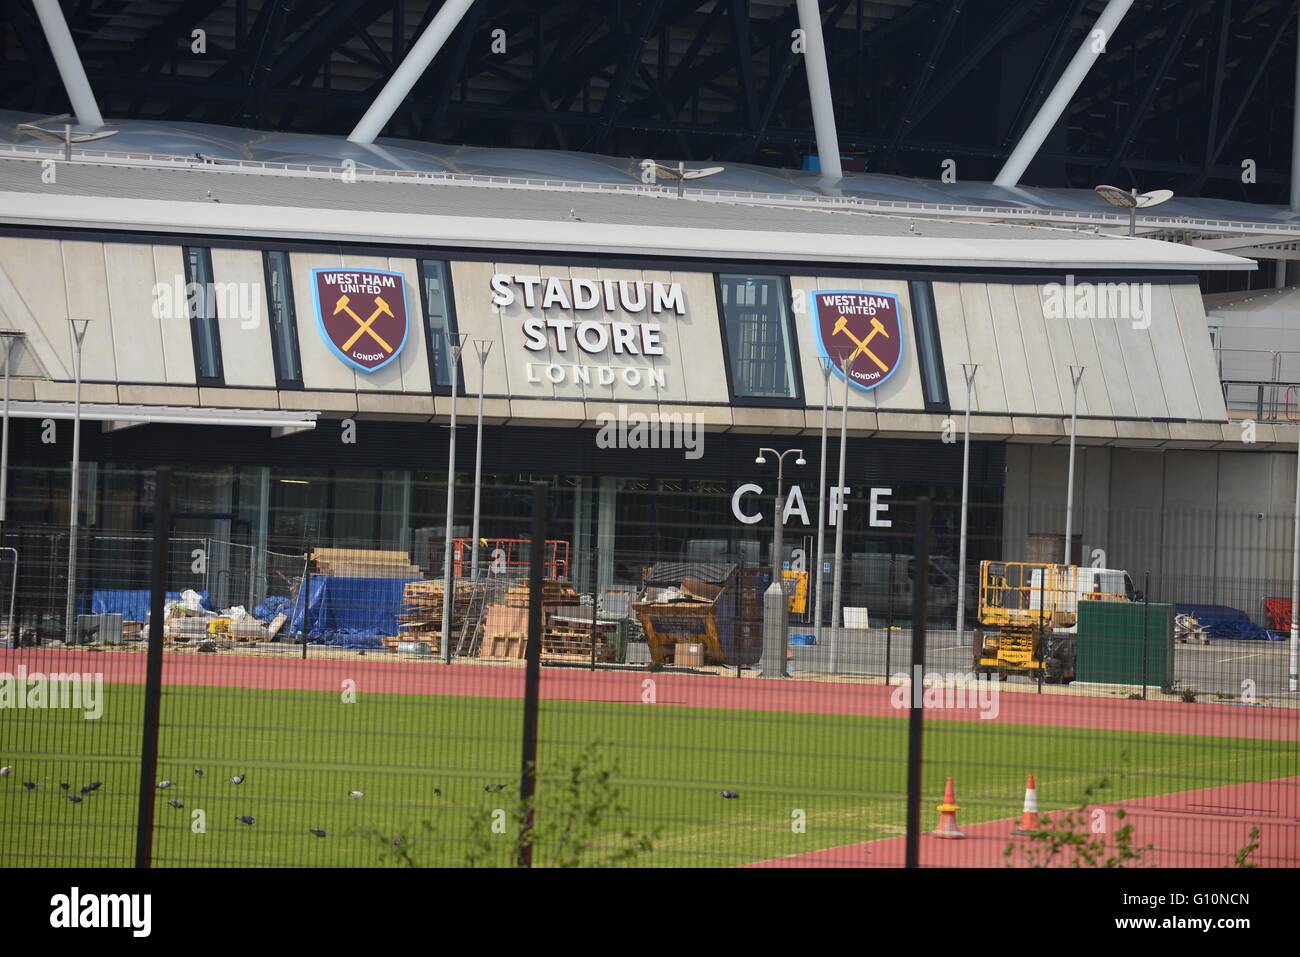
562, 642
554, 592
421, 616
362, 563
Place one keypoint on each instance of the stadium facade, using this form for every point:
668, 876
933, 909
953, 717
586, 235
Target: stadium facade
279, 334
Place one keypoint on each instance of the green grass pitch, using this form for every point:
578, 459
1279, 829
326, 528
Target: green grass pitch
844, 777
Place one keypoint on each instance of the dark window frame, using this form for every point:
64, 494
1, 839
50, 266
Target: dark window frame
211, 315
745, 401
453, 325
925, 327
276, 356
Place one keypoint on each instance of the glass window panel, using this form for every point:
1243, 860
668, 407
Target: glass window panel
203, 315
284, 331
439, 322
758, 336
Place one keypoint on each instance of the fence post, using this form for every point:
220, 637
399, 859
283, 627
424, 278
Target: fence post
595, 599
306, 599
915, 716
532, 674
889, 616
1146, 627
153, 666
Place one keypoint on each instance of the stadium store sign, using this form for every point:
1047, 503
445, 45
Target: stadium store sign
582, 335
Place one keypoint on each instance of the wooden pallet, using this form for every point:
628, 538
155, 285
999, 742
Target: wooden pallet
554, 592
565, 643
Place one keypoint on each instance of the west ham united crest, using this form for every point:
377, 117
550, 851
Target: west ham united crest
862, 330
361, 314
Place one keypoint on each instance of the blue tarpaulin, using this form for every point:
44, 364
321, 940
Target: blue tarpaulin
131, 603
1221, 621
352, 612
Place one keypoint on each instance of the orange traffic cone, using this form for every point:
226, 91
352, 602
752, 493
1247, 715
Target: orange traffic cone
1029, 817
948, 814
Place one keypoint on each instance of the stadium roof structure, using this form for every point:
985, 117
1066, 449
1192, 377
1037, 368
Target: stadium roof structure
548, 207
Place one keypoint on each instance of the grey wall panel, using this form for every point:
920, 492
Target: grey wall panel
413, 362
246, 356
85, 281
1013, 362
477, 318
35, 300
1167, 342
1111, 370
985, 350
1190, 312
1017, 501
1245, 483
1143, 370
1061, 343
699, 335
1043, 375
177, 344
137, 314
1093, 389
1136, 512
951, 318
1093, 494
1191, 489
321, 367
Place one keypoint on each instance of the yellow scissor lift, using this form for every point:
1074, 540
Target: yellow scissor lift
1020, 604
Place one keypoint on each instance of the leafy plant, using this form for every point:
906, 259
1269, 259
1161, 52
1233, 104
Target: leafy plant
1242, 858
1070, 841
571, 818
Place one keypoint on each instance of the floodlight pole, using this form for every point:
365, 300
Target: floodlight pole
837, 594
826, 366
454, 347
968, 369
482, 347
1076, 376
69, 623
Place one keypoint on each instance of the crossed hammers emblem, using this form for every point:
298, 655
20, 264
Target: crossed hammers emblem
364, 325
877, 329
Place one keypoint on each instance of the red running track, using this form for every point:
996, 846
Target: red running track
1204, 828
382, 674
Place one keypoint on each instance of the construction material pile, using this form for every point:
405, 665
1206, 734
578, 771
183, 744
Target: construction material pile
421, 617
362, 563
505, 623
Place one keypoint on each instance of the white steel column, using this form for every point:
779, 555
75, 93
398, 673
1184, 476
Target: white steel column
9, 339
819, 91
1076, 374
1098, 37
837, 595
79, 327
816, 580
411, 69
482, 347
454, 347
71, 71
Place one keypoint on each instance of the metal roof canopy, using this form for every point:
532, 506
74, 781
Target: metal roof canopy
116, 417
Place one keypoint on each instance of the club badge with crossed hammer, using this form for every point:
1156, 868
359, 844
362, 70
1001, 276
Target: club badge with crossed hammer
364, 326
877, 329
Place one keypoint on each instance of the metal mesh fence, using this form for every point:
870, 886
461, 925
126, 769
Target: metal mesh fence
323, 706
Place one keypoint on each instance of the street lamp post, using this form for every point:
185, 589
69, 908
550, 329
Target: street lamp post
837, 594
482, 347
454, 346
1076, 376
774, 618
9, 339
968, 369
69, 622
826, 366
1294, 657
